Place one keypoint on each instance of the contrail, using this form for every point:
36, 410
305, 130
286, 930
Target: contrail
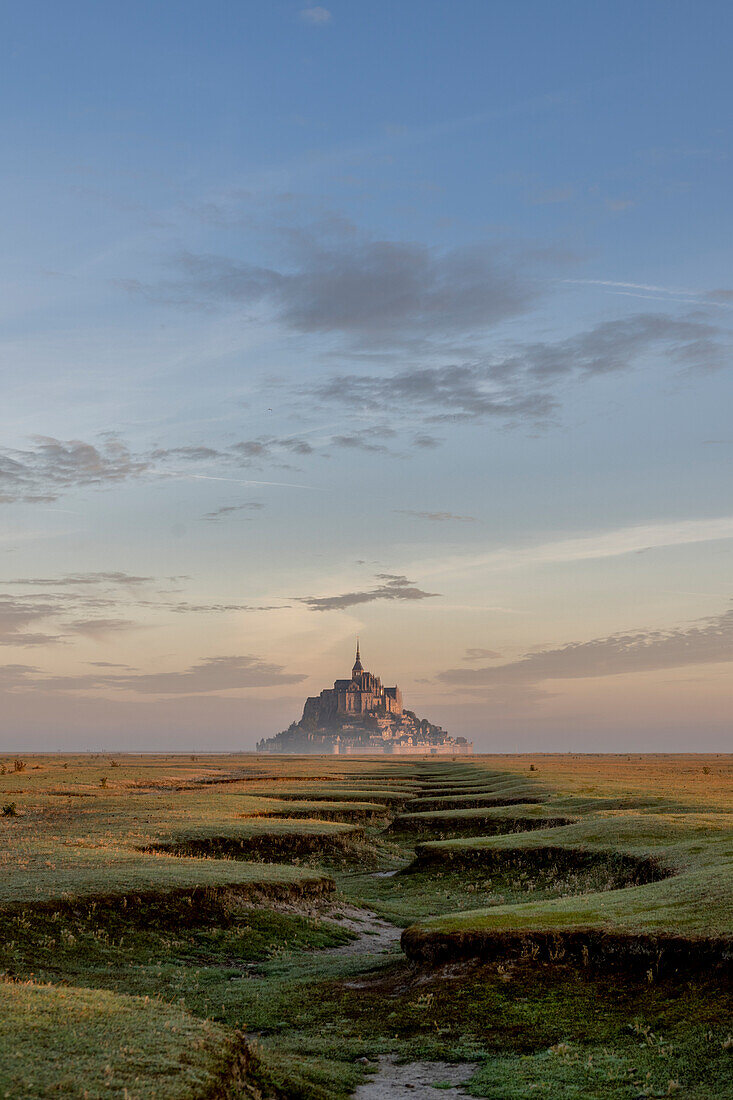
249, 481
653, 293
636, 286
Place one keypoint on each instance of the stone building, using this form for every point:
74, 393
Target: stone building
361, 695
359, 715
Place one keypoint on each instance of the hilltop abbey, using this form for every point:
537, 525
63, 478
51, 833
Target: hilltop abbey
359, 715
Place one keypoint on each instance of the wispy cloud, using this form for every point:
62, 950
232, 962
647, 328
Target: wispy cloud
708, 642
599, 545
366, 439
393, 587
316, 15
100, 629
184, 607
436, 517
227, 510
16, 615
211, 675
478, 654
522, 384
371, 292
51, 466
75, 580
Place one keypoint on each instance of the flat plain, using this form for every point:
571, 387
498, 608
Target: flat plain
181, 927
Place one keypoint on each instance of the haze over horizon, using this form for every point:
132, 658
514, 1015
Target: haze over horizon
406, 321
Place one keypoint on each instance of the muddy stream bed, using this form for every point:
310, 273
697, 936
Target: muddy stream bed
393, 1081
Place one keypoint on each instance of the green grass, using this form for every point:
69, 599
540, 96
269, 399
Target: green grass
504, 1016
63, 1041
695, 901
104, 844
131, 969
406, 898
193, 954
111, 873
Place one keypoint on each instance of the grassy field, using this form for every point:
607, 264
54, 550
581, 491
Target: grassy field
199, 927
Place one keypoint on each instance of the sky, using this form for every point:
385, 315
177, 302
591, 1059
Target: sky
411, 321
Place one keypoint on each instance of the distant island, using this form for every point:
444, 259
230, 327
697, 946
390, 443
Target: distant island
359, 715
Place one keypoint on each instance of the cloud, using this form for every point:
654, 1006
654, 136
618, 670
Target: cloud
97, 606
594, 547
393, 587
476, 654
725, 297
366, 439
83, 579
79, 595
97, 616
229, 509
253, 448
519, 385
316, 15
708, 642
462, 392
615, 345
50, 466
100, 629
183, 607
212, 674
17, 614
435, 517
249, 450
41, 473
379, 293
14, 676
107, 664
189, 454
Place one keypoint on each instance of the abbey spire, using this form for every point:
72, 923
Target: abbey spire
357, 669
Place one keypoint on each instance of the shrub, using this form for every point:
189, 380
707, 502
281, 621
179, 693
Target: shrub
9, 810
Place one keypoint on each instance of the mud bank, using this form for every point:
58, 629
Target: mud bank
362, 817
268, 847
652, 955
423, 805
385, 798
442, 827
177, 908
620, 868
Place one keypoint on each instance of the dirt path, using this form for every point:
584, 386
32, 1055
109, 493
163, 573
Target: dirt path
375, 934
415, 1080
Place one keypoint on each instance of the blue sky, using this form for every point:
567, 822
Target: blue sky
407, 320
